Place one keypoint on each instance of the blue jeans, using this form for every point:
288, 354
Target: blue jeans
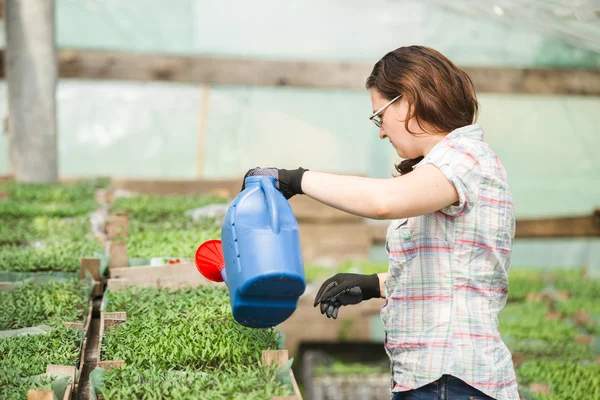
445, 388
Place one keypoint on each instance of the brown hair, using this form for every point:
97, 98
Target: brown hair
438, 92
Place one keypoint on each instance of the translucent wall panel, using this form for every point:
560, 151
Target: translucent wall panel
317, 129
546, 144
128, 129
125, 129
311, 29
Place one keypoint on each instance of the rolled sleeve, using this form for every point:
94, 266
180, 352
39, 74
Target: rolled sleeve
461, 167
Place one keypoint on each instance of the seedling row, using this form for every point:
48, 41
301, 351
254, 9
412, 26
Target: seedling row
45, 308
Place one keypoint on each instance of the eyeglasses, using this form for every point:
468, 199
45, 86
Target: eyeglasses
377, 116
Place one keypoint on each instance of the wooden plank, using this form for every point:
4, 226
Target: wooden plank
40, 395
297, 393
113, 318
98, 288
83, 64
535, 80
111, 364
82, 360
73, 325
165, 187
528, 228
90, 265
117, 227
118, 255
560, 227
170, 275
280, 358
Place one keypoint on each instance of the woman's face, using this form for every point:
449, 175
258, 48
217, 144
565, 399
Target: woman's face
407, 145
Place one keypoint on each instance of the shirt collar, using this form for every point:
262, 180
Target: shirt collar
474, 131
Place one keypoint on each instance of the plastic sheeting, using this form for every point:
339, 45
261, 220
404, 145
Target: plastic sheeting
337, 29
575, 21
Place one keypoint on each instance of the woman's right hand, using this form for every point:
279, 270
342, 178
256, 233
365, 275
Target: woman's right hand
288, 182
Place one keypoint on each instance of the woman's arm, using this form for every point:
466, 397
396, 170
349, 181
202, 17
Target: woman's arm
382, 277
420, 192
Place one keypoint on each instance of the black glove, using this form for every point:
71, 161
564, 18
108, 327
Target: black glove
289, 182
344, 289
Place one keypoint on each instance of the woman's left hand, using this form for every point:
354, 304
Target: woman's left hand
344, 289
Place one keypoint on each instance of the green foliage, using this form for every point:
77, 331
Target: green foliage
30, 304
30, 354
339, 367
20, 209
141, 301
184, 343
528, 321
82, 191
570, 306
51, 256
155, 209
567, 380
169, 242
523, 282
240, 382
12, 387
27, 230
177, 329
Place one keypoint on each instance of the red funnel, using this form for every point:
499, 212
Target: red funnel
210, 261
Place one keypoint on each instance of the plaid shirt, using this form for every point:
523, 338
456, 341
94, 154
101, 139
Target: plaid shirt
448, 276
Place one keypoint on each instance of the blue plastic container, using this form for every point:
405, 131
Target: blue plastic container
263, 269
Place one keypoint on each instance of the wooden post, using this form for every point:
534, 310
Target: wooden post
280, 357
117, 226
118, 254
31, 72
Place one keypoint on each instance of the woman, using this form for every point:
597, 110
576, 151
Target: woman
449, 241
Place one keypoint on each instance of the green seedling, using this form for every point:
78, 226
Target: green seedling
30, 354
29, 304
52, 256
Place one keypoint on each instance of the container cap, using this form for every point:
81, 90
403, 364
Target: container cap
210, 260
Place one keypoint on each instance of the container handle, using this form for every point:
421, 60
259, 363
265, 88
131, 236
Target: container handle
268, 186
